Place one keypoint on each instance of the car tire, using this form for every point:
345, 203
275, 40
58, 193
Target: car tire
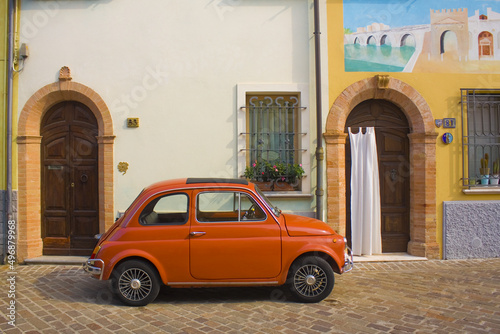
310, 279
136, 283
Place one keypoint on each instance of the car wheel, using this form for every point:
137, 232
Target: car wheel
136, 283
310, 279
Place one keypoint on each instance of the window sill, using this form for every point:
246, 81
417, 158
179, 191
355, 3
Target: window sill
286, 194
484, 190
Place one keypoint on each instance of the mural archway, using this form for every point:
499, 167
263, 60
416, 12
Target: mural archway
29, 144
422, 137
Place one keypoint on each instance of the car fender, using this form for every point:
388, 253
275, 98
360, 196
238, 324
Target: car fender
134, 254
312, 250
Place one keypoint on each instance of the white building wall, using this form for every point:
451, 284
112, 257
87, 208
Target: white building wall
176, 66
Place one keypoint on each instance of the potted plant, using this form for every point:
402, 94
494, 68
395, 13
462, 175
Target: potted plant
484, 170
495, 177
278, 176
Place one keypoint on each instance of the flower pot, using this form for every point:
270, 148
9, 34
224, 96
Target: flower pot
275, 185
484, 171
264, 185
485, 179
494, 179
283, 186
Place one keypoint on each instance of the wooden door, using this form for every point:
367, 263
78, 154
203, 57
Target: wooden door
69, 156
391, 131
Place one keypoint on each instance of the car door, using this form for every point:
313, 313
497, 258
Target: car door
233, 237
161, 230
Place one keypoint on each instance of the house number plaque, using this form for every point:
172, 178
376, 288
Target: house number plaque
132, 122
449, 123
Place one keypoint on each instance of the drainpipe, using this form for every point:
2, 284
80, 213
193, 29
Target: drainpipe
10, 73
320, 154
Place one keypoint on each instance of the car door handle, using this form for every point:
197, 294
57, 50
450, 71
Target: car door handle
194, 234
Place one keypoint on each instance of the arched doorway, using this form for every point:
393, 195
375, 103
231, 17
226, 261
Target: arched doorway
422, 142
29, 141
391, 131
69, 185
449, 42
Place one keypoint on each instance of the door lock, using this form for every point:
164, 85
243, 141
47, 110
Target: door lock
72, 184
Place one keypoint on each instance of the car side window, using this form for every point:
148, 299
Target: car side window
227, 206
170, 209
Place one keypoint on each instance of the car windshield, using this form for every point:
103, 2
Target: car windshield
275, 209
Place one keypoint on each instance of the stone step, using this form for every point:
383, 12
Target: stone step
50, 259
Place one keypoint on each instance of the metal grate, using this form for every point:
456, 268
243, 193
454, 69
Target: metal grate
273, 128
480, 134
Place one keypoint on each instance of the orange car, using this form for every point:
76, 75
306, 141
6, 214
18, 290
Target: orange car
212, 232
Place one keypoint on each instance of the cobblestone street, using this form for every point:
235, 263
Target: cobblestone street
454, 296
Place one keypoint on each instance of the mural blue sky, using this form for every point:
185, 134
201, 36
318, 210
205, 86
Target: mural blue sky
399, 13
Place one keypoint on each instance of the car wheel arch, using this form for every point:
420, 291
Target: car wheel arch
325, 256
159, 270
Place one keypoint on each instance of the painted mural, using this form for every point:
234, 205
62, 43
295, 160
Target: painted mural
461, 36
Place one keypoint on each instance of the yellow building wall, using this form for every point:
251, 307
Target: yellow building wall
441, 91
3, 100
3, 90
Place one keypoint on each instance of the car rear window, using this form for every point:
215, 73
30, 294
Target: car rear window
171, 209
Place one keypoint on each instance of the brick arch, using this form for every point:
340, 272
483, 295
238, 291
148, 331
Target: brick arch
423, 219
29, 142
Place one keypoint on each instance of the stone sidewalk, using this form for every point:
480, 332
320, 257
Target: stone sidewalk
454, 296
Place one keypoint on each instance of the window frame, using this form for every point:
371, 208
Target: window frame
303, 130
263, 110
484, 142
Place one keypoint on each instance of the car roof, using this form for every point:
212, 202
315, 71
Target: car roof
193, 182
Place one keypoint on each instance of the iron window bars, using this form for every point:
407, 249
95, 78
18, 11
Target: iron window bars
480, 133
273, 123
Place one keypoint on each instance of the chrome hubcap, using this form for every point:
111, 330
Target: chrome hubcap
135, 284
310, 280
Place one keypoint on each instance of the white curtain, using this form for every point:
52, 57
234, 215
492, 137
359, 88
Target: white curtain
365, 194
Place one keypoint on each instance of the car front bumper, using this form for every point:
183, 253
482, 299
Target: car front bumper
91, 268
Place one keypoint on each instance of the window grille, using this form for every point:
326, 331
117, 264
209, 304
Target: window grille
273, 128
481, 136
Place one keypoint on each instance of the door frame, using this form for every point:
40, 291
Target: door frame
29, 161
423, 216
